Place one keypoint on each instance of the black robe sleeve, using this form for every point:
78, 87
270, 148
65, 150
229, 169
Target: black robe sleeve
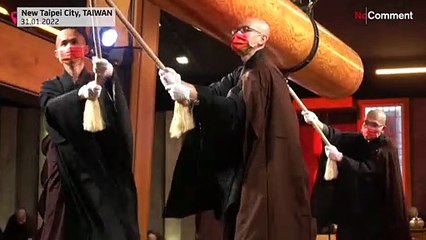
221, 103
194, 187
397, 225
332, 134
349, 165
64, 110
226, 111
322, 197
222, 87
61, 107
352, 166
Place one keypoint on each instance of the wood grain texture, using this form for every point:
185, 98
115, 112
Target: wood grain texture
335, 72
8, 144
142, 107
25, 60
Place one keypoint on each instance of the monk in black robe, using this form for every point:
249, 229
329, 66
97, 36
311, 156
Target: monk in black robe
95, 168
366, 200
244, 159
20, 226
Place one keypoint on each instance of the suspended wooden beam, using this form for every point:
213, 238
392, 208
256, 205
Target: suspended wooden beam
335, 72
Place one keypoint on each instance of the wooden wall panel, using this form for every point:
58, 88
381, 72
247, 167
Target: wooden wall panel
142, 106
418, 153
27, 159
156, 221
8, 143
19, 160
25, 60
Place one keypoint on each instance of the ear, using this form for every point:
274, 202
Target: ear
263, 40
57, 54
383, 130
86, 49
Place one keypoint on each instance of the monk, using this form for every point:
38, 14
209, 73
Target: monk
244, 159
95, 168
366, 200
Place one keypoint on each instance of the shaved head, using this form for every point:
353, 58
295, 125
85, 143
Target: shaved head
21, 216
257, 24
249, 37
71, 49
69, 35
378, 116
374, 124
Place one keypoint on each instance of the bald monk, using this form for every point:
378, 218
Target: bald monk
95, 168
366, 200
244, 158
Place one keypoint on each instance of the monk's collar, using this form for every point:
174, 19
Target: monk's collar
254, 59
84, 78
377, 141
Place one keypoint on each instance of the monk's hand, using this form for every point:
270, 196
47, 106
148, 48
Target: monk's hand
333, 154
309, 117
90, 91
179, 92
102, 67
168, 77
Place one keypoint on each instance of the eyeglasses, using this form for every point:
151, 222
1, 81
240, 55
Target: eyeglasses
244, 29
372, 124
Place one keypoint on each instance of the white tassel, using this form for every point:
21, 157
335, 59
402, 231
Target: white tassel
182, 121
331, 171
92, 117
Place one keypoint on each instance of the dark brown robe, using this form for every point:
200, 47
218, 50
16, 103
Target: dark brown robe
275, 193
52, 203
208, 227
250, 170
